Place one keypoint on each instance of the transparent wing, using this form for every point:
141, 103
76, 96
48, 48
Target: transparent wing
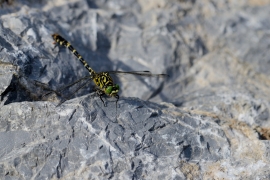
139, 73
142, 84
69, 90
73, 93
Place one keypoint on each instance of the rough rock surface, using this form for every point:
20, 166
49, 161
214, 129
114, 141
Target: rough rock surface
208, 120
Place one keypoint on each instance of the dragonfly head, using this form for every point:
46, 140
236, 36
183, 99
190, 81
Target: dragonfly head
112, 90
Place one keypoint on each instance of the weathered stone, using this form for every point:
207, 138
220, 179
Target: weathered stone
208, 120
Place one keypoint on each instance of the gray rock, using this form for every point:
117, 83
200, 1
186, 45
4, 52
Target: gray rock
83, 138
208, 120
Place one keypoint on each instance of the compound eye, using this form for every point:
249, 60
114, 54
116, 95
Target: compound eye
117, 86
108, 90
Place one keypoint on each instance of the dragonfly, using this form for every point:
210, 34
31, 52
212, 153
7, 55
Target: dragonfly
104, 84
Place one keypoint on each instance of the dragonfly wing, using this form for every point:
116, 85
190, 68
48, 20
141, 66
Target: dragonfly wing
139, 73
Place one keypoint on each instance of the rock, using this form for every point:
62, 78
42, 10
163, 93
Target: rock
208, 120
83, 138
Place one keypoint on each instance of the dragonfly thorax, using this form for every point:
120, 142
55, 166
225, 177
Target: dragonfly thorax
105, 83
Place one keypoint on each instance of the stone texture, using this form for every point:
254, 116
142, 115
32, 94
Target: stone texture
208, 120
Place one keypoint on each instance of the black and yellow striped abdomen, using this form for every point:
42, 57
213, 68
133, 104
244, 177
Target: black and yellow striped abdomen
59, 39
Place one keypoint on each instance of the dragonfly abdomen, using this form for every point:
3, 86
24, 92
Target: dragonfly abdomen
59, 39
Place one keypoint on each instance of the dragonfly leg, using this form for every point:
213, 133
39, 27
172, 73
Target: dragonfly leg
100, 94
117, 98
